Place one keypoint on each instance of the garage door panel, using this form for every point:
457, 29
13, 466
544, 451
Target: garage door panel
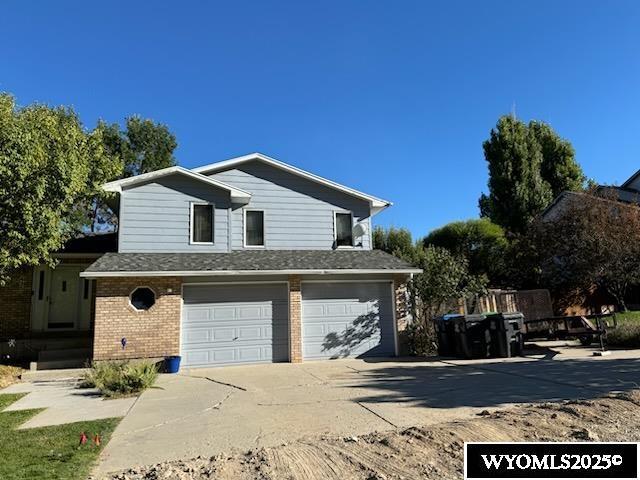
229, 324
347, 320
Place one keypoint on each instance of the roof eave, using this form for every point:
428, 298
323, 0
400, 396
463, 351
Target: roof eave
208, 273
237, 195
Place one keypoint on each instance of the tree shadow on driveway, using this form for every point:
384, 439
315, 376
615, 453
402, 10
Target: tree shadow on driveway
448, 385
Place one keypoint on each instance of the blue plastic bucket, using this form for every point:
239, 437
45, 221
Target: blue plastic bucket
172, 364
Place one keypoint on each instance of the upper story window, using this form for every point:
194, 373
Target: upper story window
344, 229
254, 228
201, 223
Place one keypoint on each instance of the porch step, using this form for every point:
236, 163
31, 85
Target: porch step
66, 363
52, 375
64, 354
65, 342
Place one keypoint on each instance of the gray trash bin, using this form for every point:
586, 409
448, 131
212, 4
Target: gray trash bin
507, 334
446, 334
472, 335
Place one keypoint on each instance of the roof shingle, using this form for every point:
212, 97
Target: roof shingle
248, 261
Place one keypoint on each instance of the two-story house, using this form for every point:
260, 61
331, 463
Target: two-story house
242, 261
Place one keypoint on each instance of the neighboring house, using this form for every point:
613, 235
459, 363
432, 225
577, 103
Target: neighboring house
598, 300
628, 192
247, 260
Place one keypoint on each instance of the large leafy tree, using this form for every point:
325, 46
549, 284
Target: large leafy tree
396, 241
528, 166
588, 241
559, 167
482, 243
144, 146
51, 170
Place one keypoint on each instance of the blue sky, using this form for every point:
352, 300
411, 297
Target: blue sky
392, 98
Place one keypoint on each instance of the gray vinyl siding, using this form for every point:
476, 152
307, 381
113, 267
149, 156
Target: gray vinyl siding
155, 217
298, 213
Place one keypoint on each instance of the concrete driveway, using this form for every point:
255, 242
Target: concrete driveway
209, 411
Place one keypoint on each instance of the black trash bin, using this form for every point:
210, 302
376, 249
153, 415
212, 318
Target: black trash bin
472, 336
446, 335
507, 334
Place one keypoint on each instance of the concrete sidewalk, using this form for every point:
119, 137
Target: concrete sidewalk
64, 403
209, 411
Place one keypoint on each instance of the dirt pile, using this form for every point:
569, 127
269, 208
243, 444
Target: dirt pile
435, 452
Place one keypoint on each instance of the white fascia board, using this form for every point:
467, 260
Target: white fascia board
212, 273
377, 204
117, 185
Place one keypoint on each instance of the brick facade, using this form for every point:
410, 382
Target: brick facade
403, 315
151, 333
295, 320
15, 305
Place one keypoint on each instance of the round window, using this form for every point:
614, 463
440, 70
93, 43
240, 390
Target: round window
143, 298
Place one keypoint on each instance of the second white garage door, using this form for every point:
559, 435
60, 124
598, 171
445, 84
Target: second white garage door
234, 324
347, 320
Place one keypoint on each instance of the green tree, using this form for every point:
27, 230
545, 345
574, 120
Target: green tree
517, 191
529, 165
144, 146
559, 167
482, 243
396, 241
51, 170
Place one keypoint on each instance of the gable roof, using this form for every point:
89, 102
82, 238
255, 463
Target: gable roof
237, 194
631, 179
377, 204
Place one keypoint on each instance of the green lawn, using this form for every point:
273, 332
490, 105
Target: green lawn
627, 335
48, 452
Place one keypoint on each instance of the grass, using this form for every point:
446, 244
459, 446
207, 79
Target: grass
120, 379
48, 452
9, 375
627, 335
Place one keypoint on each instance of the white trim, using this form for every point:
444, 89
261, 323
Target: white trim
377, 204
335, 230
237, 194
213, 220
244, 228
155, 298
210, 273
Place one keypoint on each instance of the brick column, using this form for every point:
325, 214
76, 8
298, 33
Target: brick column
403, 315
295, 319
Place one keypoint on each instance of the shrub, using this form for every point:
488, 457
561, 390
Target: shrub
627, 334
118, 379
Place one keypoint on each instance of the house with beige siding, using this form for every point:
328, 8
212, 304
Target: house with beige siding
248, 260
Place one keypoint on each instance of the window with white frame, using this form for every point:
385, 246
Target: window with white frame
254, 228
202, 223
343, 229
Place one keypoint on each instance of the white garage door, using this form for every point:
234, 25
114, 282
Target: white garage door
347, 320
234, 324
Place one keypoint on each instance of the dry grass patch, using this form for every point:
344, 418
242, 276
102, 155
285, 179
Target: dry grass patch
9, 375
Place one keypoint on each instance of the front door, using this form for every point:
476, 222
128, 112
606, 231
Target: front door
63, 300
